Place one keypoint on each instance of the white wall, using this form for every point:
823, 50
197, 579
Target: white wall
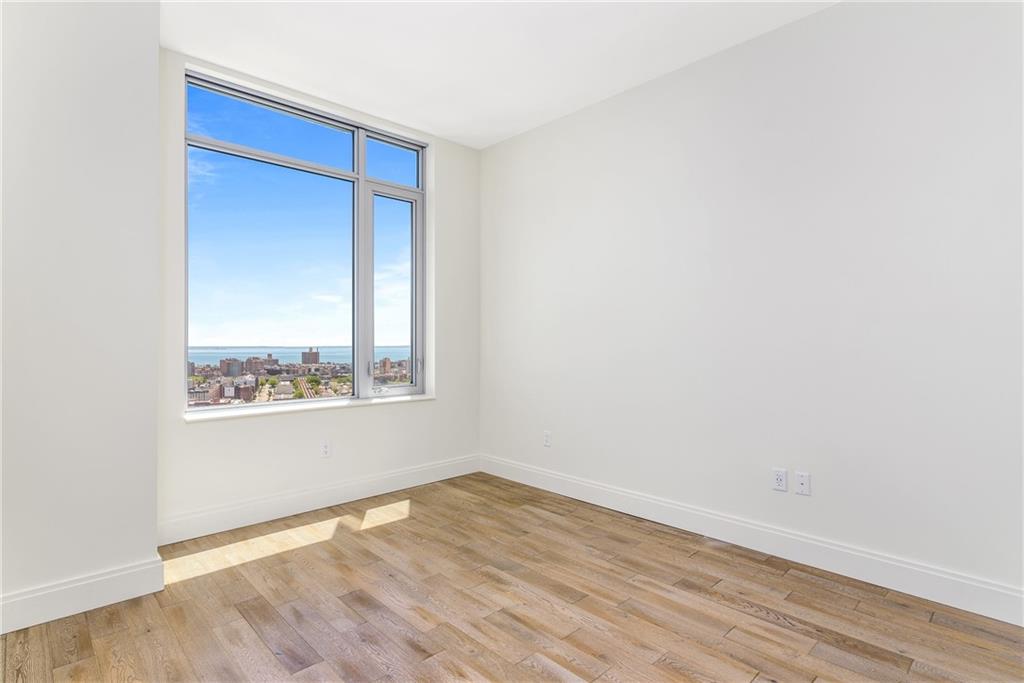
215, 475
802, 252
80, 305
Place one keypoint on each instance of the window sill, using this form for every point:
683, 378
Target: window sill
213, 414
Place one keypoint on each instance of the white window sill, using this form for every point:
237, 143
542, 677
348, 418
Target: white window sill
229, 413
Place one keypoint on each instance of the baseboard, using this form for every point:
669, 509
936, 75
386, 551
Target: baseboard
256, 510
971, 593
53, 601
56, 600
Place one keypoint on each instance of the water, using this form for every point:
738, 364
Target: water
211, 355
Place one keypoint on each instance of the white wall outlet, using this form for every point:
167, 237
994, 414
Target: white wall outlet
779, 479
325, 449
803, 483
547, 439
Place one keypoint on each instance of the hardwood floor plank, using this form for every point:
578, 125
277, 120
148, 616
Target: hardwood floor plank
119, 659
871, 668
444, 667
69, 640
561, 651
142, 615
309, 590
470, 652
82, 671
287, 646
786, 616
250, 653
919, 643
415, 644
106, 620
613, 651
704, 665
27, 656
547, 669
338, 648
995, 633
163, 658
209, 661
394, 663
318, 673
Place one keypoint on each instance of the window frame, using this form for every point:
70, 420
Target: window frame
364, 189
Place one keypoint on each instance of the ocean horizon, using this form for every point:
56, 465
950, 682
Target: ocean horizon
212, 355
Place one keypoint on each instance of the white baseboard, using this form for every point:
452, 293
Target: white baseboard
56, 600
256, 510
53, 601
972, 593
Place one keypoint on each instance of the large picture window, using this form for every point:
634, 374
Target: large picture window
305, 254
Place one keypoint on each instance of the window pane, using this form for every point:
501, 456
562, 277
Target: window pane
230, 119
392, 163
392, 290
270, 282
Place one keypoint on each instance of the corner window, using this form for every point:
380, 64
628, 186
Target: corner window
305, 254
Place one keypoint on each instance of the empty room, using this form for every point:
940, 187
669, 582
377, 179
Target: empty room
512, 341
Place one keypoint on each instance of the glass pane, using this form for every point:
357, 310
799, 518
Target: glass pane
392, 290
269, 282
230, 119
392, 163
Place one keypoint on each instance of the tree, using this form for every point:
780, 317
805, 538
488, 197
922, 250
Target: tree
272, 381
298, 391
314, 381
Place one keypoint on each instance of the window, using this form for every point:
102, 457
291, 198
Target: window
305, 254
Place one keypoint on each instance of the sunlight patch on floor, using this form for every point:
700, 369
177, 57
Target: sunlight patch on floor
233, 554
385, 514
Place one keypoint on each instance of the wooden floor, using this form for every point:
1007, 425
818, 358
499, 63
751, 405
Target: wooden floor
484, 579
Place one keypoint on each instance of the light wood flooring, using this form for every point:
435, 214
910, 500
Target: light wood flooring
480, 578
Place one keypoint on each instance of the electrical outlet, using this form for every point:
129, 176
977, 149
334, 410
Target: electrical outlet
779, 479
803, 483
547, 439
325, 449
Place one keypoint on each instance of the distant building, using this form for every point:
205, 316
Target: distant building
255, 364
311, 357
191, 368
197, 395
385, 365
230, 367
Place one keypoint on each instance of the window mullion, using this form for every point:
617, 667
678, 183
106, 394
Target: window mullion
363, 370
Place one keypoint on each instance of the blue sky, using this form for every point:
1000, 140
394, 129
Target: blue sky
270, 248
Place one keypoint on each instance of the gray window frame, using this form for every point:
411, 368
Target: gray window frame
364, 189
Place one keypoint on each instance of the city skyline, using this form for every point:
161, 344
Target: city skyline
264, 378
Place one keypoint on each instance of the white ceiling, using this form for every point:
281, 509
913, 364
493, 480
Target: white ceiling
475, 73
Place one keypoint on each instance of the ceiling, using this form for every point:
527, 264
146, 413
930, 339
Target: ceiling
475, 73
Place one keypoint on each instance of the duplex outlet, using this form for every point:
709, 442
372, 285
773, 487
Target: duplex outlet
547, 439
779, 479
325, 448
803, 483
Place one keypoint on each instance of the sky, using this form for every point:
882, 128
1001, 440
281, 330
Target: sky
270, 247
